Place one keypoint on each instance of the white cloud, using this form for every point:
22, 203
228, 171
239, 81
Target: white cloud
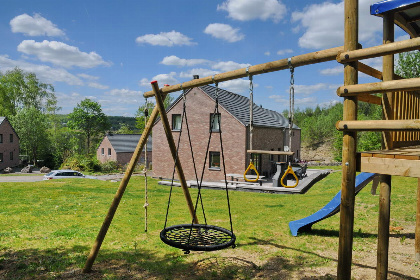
163, 79
224, 32
236, 86
323, 25
167, 39
309, 89
98, 85
35, 26
299, 102
305, 102
61, 54
254, 9
124, 93
44, 73
198, 71
332, 71
402, 38
174, 60
225, 66
88, 77
285, 51
327, 104
267, 53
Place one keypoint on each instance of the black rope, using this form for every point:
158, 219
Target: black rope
184, 116
215, 113
224, 172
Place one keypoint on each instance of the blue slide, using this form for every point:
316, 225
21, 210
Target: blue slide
332, 208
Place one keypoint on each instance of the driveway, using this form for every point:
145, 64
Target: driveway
21, 178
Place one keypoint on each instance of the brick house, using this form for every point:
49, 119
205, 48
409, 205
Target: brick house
270, 133
9, 145
120, 148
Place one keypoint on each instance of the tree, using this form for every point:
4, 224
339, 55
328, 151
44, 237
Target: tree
88, 117
31, 126
140, 117
408, 65
19, 89
124, 129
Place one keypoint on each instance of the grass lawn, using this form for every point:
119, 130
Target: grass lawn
48, 228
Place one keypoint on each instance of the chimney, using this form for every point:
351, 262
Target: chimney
196, 77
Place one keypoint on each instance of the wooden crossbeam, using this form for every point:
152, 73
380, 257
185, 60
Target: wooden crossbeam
378, 125
388, 86
269, 152
381, 50
296, 61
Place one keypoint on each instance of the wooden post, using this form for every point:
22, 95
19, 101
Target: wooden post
383, 227
172, 147
417, 241
351, 26
117, 198
385, 180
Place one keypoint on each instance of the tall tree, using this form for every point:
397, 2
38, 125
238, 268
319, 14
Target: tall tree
140, 114
88, 117
31, 126
19, 89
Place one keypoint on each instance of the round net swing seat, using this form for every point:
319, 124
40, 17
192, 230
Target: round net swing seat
197, 237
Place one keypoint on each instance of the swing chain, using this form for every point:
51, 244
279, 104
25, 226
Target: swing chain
291, 91
291, 103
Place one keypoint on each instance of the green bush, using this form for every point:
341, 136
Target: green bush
81, 163
111, 166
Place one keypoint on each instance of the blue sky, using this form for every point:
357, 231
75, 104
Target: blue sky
109, 51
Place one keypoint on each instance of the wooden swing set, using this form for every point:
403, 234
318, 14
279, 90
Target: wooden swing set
400, 126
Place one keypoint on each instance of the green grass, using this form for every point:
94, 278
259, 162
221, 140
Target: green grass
47, 230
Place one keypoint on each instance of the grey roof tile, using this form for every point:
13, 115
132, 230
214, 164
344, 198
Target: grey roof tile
127, 143
238, 106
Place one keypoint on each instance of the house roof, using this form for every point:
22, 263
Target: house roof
2, 119
238, 106
127, 143
406, 14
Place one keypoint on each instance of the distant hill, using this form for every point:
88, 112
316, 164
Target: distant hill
116, 122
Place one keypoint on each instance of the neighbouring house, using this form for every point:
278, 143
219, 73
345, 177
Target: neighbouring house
9, 145
120, 148
270, 133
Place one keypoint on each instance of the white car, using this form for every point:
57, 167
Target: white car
65, 174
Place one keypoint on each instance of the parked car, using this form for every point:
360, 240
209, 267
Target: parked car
64, 174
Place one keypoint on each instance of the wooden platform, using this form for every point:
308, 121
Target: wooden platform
401, 162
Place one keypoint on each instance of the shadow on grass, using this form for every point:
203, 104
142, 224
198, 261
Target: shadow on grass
67, 263
272, 243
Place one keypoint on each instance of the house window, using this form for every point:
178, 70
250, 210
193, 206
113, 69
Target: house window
11, 155
1, 138
109, 151
215, 122
103, 151
11, 138
214, 160
176, 122
1, 156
